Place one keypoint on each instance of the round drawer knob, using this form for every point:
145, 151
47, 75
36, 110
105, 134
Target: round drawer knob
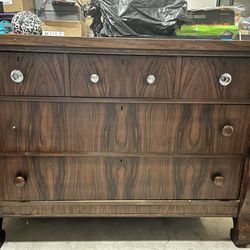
94, 78
20, 181
225, 79
151, 79
219, 181
228, 131
13, 126
17, 76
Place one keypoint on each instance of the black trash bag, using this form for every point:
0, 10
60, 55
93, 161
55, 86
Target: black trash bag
142, 17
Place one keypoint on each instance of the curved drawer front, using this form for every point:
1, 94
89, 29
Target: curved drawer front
108, 178
214, 78
32, 74
124, 128
122, 76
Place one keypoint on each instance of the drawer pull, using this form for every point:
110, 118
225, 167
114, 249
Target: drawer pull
225, 79
17, 76
20, 181
13, 126
219, 181
228, 131
94, 78
151, 79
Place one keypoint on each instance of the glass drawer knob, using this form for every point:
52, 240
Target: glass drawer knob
225, 79
151, 79
228, 131
16, 76
94, 78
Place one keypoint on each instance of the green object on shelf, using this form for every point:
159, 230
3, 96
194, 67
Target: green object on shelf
207, 30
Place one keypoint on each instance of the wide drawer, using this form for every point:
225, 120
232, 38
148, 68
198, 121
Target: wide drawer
124, 128
199, 78
33, 74
122, 76
113, 178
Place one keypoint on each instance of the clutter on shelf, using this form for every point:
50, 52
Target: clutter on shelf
140, 18
220, 22
120, 18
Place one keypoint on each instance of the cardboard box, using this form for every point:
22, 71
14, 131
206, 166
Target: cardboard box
64, 28
61, 12
18, 5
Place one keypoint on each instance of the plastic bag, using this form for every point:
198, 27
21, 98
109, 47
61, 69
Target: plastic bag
142, 17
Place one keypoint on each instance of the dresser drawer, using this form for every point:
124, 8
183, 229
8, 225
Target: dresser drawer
122, 76
112, 178
124, 128
214, 78
33, 74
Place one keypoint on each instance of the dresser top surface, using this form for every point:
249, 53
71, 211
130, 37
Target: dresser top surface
159, 46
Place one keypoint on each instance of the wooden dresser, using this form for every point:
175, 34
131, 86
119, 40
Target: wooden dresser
125, 127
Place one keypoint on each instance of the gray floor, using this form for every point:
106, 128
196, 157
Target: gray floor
127, 234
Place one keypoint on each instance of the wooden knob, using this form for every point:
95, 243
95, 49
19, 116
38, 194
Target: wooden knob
219, 181
20, 181
228, 131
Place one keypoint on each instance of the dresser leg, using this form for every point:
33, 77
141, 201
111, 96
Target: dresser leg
240, 234
2, 233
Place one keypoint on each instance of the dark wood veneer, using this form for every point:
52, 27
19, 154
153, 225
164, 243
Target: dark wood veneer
123, 147
122, 76
126, 128
113, 178
44, 74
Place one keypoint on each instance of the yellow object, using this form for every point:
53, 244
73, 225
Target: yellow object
18, 5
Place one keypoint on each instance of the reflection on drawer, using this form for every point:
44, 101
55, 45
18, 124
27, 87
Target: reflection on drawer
214, 78
124, 128
122, 76
108, 178
32, 74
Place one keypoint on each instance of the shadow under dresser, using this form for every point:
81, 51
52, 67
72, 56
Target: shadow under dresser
125, 127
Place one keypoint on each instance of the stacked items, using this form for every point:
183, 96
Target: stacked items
220, 22
64, 18
8, 8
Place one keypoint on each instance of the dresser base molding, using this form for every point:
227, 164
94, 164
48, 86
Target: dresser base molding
166, 208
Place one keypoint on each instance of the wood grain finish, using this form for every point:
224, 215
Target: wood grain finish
122, 76
112, 178
132, 46
44, 74
123, 128
123, 147
184, 78
199, 79
142, 208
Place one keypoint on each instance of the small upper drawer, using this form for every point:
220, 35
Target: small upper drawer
214, 78
122, 76
32, 74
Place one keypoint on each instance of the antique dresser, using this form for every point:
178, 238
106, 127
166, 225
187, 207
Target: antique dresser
125, 127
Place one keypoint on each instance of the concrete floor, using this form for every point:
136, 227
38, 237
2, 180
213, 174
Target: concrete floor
117, 233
